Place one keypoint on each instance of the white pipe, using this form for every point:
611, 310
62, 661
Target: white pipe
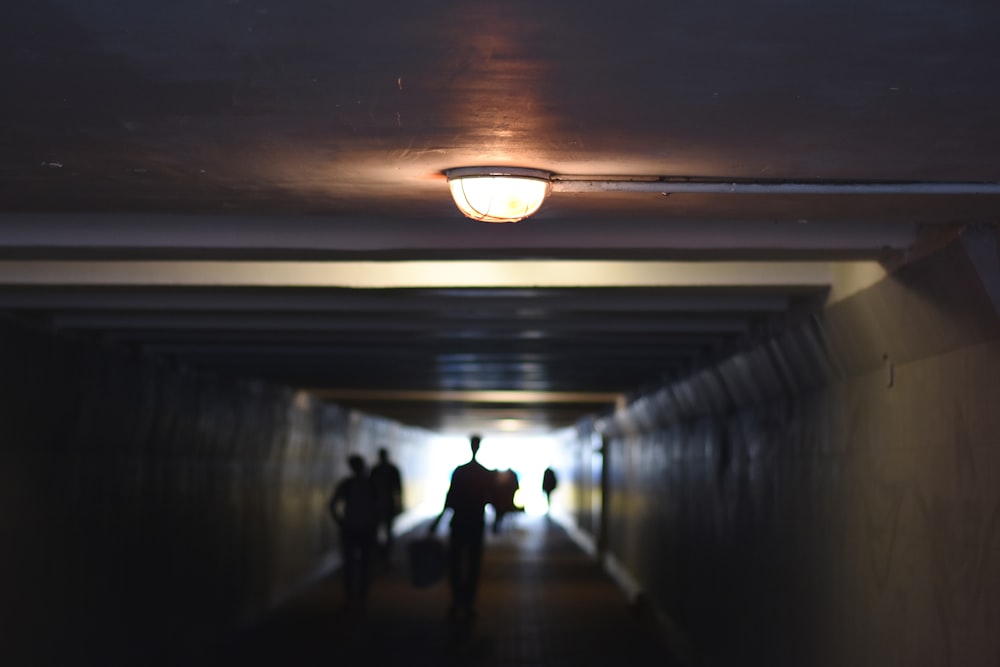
667, 186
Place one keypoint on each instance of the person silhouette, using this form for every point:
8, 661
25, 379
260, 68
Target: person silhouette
352, 507
507, 487
388, 485
549, 484
472, 488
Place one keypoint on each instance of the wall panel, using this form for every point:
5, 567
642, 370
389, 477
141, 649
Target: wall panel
851, 517
145, 510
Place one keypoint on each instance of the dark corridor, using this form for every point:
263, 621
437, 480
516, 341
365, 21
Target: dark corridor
757, 318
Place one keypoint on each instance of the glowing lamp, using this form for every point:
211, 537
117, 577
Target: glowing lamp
498, 194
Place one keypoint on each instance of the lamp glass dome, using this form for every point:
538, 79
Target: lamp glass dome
498, 196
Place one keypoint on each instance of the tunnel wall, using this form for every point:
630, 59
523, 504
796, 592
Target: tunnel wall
832, 495
146, 510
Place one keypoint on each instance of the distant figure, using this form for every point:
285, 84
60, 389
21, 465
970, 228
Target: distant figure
549, 484
507, 485
472, 488
353, 508
388, 500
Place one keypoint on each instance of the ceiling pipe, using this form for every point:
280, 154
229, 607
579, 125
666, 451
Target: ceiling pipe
694, 186
510, 194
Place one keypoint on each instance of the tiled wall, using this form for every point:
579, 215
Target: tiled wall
146, 509
804, 504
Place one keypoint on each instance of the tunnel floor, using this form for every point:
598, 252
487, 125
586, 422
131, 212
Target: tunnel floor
542, 601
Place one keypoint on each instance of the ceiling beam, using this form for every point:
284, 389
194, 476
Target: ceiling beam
410, 301
416, 274
52, 235
456, 326
487, 396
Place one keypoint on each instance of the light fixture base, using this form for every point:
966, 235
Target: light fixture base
498, 194
485, 172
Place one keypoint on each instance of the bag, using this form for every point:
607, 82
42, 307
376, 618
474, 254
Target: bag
427, 561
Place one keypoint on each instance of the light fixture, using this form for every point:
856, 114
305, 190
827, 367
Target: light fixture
498, 194
510, 194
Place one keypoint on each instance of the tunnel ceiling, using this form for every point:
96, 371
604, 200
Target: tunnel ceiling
256, 188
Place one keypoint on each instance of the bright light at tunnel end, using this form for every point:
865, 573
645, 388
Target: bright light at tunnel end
498, 194
526, 455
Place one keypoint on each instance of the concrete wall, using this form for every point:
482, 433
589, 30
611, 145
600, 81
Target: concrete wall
831, 496
145, 510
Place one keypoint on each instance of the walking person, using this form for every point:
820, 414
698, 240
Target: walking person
472, 488
507, 488
353, 509
549, 484
388, 485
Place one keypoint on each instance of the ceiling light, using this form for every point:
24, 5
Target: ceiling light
509, 425
498, 194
